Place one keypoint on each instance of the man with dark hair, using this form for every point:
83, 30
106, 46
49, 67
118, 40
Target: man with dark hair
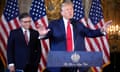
23, 47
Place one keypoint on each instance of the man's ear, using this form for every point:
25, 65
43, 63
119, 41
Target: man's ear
61, 12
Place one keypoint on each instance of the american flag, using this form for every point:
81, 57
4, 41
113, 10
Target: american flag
38, 14
8, 21
79, 11
95, 21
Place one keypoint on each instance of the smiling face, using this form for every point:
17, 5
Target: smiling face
67, 10
25, 22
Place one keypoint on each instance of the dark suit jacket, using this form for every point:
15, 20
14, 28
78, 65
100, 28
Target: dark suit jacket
57, 35
19, 53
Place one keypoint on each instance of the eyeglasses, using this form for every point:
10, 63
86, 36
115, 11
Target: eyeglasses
26, 21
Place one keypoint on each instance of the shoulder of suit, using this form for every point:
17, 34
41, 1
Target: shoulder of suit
14, 30
32, 30
57, 20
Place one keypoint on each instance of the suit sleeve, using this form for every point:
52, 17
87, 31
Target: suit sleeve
89, 32
39, 48
10, 48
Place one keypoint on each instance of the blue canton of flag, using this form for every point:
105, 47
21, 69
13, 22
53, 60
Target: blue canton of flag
78, 10
96, 13
37, 10
11, 10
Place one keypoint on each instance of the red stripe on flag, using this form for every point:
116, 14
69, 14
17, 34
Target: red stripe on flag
45, 46
16, 23
97, 43
3, 58
39, 68
44, 60
3, 41
43, 22
2, 25
104, 46
94, 69
10, 26
90, 44
105, 49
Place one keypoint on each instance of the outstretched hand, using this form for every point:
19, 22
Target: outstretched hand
106, 25
42, 30
11, 68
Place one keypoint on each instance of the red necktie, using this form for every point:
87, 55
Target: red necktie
69, 38
26, 37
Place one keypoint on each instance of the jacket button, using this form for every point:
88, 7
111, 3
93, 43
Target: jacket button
35, 51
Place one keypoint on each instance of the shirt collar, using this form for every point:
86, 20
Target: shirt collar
23, 29
65, 20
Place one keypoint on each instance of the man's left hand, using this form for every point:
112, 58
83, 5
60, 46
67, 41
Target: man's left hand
106, 25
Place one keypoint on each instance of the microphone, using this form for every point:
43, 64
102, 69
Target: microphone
73, 21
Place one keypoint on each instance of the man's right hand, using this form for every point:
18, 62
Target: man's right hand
12, 68
42, 30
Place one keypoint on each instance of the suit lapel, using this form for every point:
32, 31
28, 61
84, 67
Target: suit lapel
62, 27
75, 32
62, 31
21, 34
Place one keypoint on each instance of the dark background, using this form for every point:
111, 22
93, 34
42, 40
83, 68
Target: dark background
115, 63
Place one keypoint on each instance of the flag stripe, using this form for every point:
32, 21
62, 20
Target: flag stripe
43, 22
4, 28
3, 58
95, 20
45, 46
89, 44
3, 44
7, 23
102, 40
3, 51
16, 22
38, 15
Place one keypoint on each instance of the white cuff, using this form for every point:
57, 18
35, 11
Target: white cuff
40, 37
12, 64
104, 33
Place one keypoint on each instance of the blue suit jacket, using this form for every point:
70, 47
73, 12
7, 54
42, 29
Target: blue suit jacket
57, 35
19, 53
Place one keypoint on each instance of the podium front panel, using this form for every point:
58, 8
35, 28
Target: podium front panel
74, 59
